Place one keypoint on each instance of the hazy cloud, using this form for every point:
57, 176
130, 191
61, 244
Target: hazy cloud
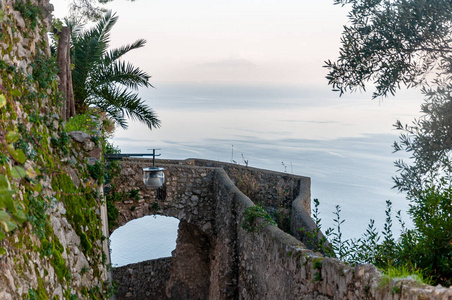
230, 63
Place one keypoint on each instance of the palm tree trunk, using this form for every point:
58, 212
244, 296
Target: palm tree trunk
65, 86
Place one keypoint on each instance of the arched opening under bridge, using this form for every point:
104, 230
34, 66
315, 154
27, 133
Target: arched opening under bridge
149, 237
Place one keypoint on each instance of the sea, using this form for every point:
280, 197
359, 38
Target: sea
344, 144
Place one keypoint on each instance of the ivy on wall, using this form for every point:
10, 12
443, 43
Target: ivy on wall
34, 169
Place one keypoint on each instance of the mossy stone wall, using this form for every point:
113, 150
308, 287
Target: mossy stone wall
50, 220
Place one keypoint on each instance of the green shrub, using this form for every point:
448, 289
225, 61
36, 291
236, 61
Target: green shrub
424, 251
315, 240
83, 122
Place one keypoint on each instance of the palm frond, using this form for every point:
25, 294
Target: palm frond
101, 32
74, 27
115, 54
105, 25
122, 73
101, 79
88, 49
112, 99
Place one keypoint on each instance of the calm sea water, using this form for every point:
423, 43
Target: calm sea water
343, 144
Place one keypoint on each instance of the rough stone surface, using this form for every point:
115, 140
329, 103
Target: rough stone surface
186, 195
146, 280
26, 266
80, 136
190, 271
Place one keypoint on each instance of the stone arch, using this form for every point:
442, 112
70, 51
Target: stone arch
210, 207
186, 194
184, 275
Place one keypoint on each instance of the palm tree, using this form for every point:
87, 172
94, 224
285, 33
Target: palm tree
101, 79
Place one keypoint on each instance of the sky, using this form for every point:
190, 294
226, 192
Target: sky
259, 41
236, 55
249, 74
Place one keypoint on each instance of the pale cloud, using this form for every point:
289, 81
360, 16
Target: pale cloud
258, 40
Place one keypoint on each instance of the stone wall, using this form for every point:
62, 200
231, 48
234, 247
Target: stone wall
190, 271
51, 234
186, 194
145, 280
271, 264
264, 187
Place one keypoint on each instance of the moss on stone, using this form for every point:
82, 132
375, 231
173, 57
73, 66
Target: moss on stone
32, 110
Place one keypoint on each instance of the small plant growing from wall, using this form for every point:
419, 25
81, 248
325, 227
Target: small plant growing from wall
29, 12
251, 216
401, 273
317, 265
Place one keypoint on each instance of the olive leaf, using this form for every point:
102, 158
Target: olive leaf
10, 204
5, 195
2, 251
4, 182
9, 225
4, 216
6, 221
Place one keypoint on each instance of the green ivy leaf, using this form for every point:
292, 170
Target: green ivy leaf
4, 216
20, 217
2, 235
2, 251
10, 204
16, 93
2, 100
2, 15
18, 172
18, 155
12, 137
10, 225
5, 195
4, 182
38, 188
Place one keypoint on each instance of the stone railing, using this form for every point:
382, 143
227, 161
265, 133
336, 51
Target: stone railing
271, 264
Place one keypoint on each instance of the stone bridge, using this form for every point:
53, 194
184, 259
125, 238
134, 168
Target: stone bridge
215, 258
